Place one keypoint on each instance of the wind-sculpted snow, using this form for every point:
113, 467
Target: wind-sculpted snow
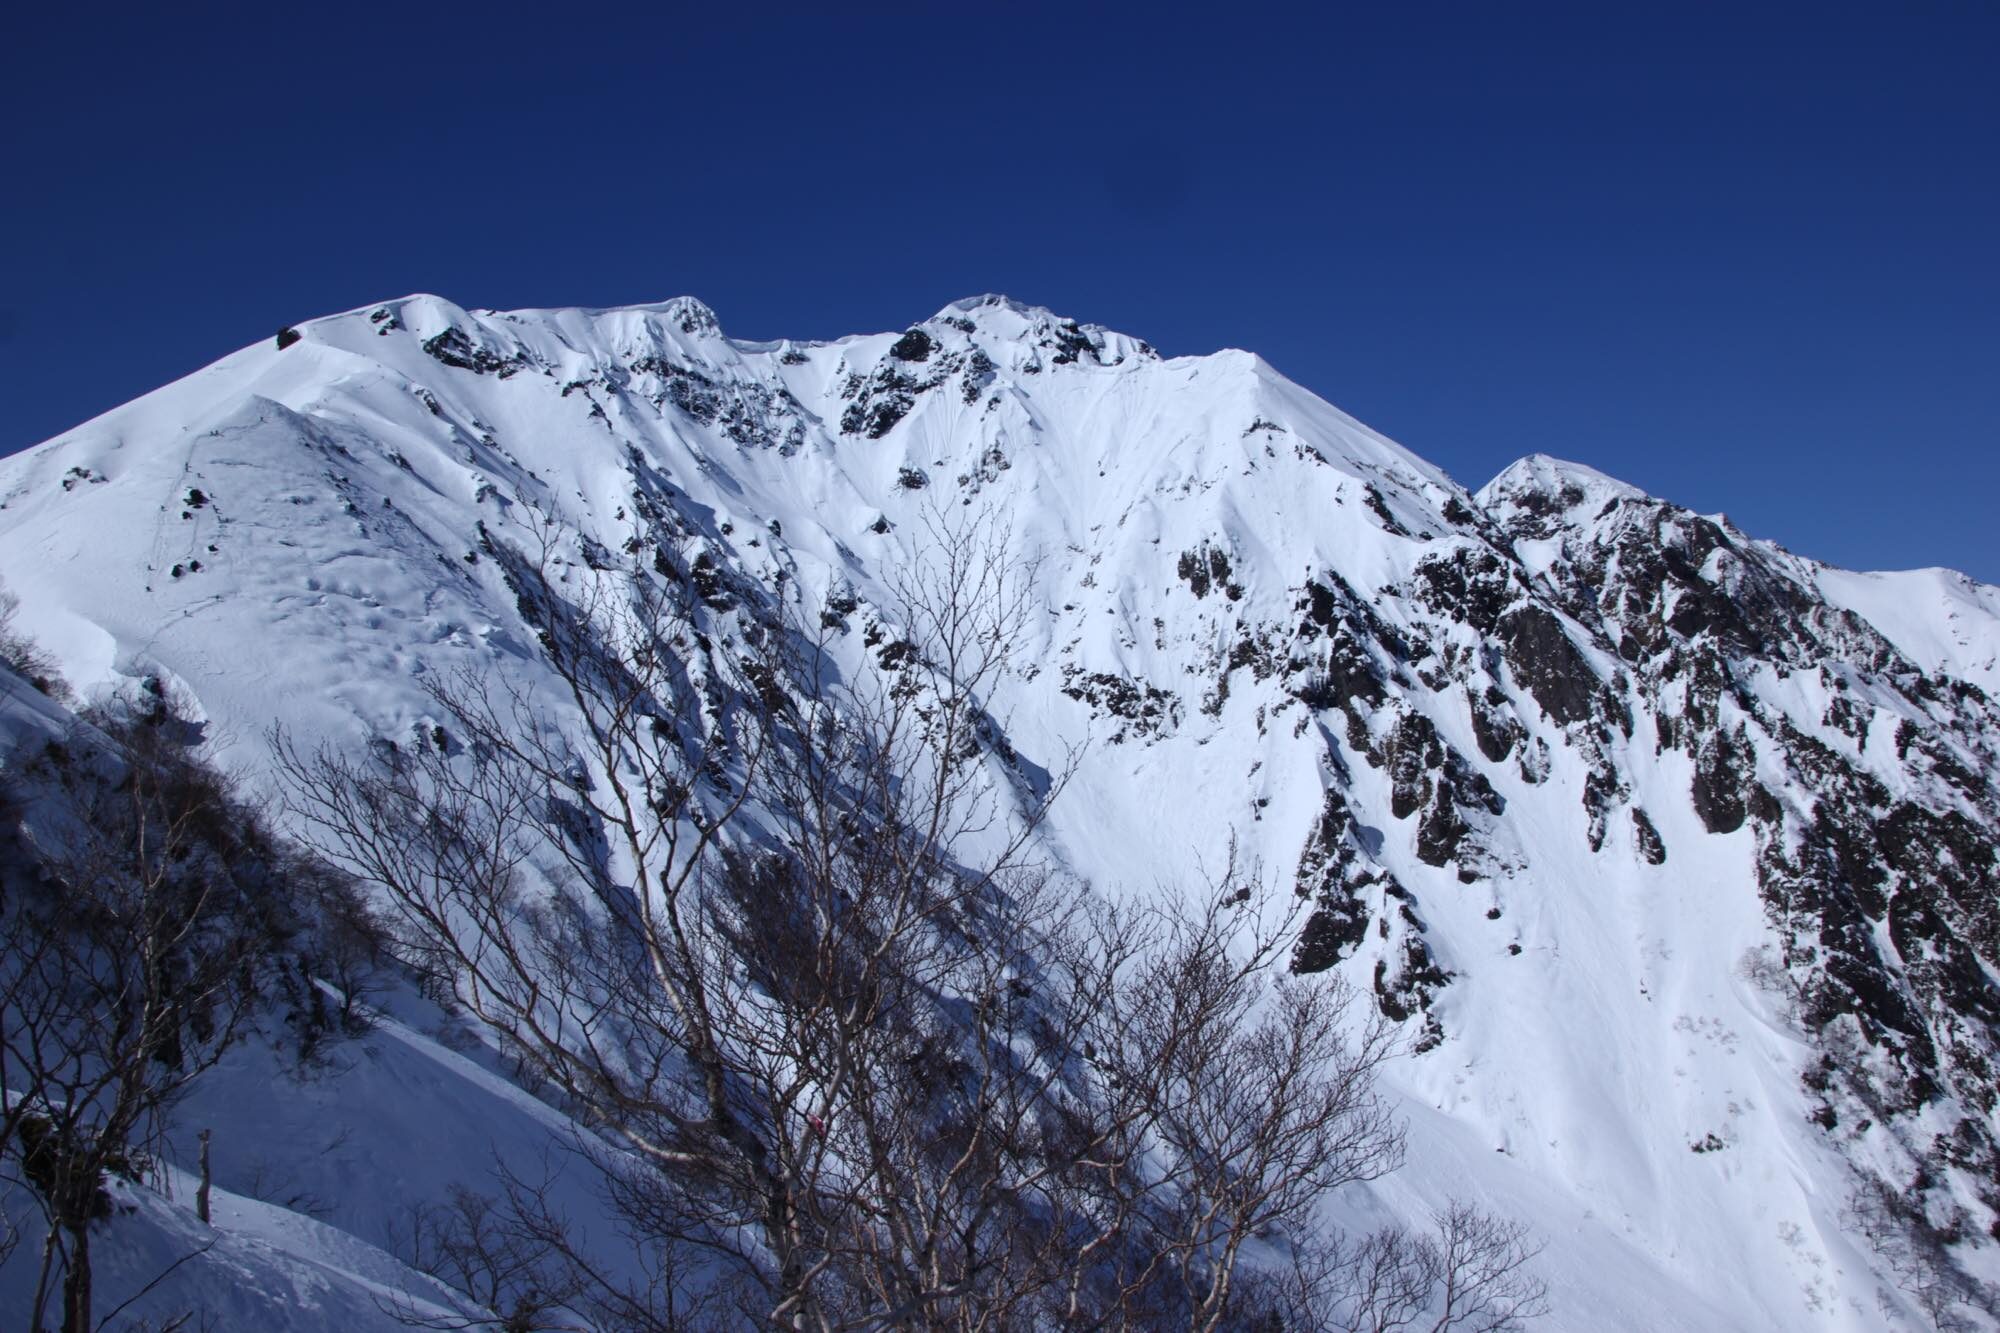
1672, 851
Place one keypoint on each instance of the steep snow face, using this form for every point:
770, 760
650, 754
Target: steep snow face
1672, 851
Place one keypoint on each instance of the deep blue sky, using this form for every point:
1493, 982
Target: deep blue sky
1743, 257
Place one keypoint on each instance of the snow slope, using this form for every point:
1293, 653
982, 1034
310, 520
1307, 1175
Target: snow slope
1584, 787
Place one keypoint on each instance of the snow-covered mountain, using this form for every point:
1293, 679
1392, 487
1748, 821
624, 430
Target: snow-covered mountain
1674, 852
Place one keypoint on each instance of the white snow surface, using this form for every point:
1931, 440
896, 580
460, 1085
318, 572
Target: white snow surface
342, 482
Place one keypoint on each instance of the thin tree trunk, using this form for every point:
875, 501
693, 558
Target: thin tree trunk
201, 1190
42, 1280
76, 1284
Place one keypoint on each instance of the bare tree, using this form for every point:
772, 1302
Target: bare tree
860, 1060
1469, 1273
1237, 1099
129, 963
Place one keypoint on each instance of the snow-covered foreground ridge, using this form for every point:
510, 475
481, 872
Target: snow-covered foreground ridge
1672, 851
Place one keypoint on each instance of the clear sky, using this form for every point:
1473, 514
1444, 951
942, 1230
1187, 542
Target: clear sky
1743, 256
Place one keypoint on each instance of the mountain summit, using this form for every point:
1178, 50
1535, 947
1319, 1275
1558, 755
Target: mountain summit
1671, 852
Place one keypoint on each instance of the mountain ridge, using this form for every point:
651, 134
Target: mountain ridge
1653, 836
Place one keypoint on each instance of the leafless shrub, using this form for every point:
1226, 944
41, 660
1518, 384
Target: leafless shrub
1917, 1258
26, 657
482, 1248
